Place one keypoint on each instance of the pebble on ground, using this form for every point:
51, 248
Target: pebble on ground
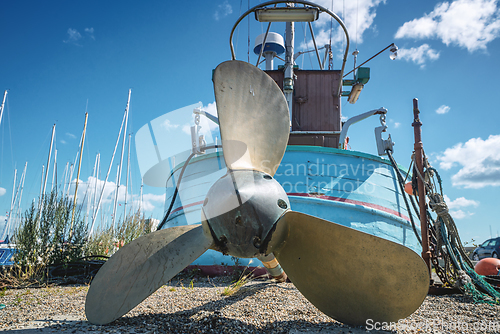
198, 305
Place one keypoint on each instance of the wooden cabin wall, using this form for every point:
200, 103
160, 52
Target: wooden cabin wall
316, 106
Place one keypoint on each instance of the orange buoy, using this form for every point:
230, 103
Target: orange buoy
408, 188
488, 266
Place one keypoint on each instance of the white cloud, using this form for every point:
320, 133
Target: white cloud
418, 55
167, 125
469, 24
186, 128
443, 109
62, 141
2, 192
479, 160
150, 201
223, 10
90, 32
87, 190
460, 214
394, 123
211, 108
358, 17
458, 204
73, 37
70, 135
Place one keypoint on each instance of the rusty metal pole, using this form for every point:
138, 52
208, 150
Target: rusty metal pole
426, 254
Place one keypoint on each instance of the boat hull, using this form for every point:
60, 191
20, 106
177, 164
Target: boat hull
350, 188
7, 254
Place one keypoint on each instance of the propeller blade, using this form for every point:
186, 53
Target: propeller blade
253, 117
140, 268
349, 275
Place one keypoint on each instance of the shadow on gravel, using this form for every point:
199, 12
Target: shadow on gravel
206, 318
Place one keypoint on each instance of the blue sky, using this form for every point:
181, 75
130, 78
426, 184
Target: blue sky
59, 59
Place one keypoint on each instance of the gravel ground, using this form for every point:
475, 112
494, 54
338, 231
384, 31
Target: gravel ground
198, 306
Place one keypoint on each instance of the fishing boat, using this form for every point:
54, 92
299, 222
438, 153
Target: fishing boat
268, 178
7, 251
320, 176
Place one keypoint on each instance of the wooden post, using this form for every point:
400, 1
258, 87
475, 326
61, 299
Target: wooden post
417, 124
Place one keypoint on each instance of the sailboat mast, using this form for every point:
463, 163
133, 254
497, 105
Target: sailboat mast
54, 172
71, 170
126, 182
78, 174
41, 187
98, 161
48, 159
44, 183
92, 193
64, 177
3, 104
121, 159
140, 202
23, 177
5, 231
107, 174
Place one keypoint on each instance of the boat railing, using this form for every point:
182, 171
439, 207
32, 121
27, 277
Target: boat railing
307, 5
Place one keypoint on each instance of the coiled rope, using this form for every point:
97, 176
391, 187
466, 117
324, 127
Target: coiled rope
443, 229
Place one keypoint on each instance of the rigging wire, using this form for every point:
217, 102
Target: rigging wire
238, 30
357, 14
330, 54
248, 46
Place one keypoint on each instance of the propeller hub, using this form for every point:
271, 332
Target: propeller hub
241, 209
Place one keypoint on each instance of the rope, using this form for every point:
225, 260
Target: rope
403, 193
446, 234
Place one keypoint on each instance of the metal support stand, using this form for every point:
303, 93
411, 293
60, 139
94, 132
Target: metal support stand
426, 253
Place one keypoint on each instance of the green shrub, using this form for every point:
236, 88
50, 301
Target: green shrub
46, 235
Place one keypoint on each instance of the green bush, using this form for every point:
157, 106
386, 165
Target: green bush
106, 241
47, 236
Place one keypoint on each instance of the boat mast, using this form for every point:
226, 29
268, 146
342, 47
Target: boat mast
48, 159
126, 181
90, 203
7, 225
44, 177
71, 170
78, 175
107, 174
64, 177
121, 159
98, 161
41, 186
140, 202
54, 172
23, 177
3, 104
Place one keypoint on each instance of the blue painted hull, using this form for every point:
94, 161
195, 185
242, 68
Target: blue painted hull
6, 255
350, 188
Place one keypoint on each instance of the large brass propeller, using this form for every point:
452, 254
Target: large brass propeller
252, 110
349, 275
139, 268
